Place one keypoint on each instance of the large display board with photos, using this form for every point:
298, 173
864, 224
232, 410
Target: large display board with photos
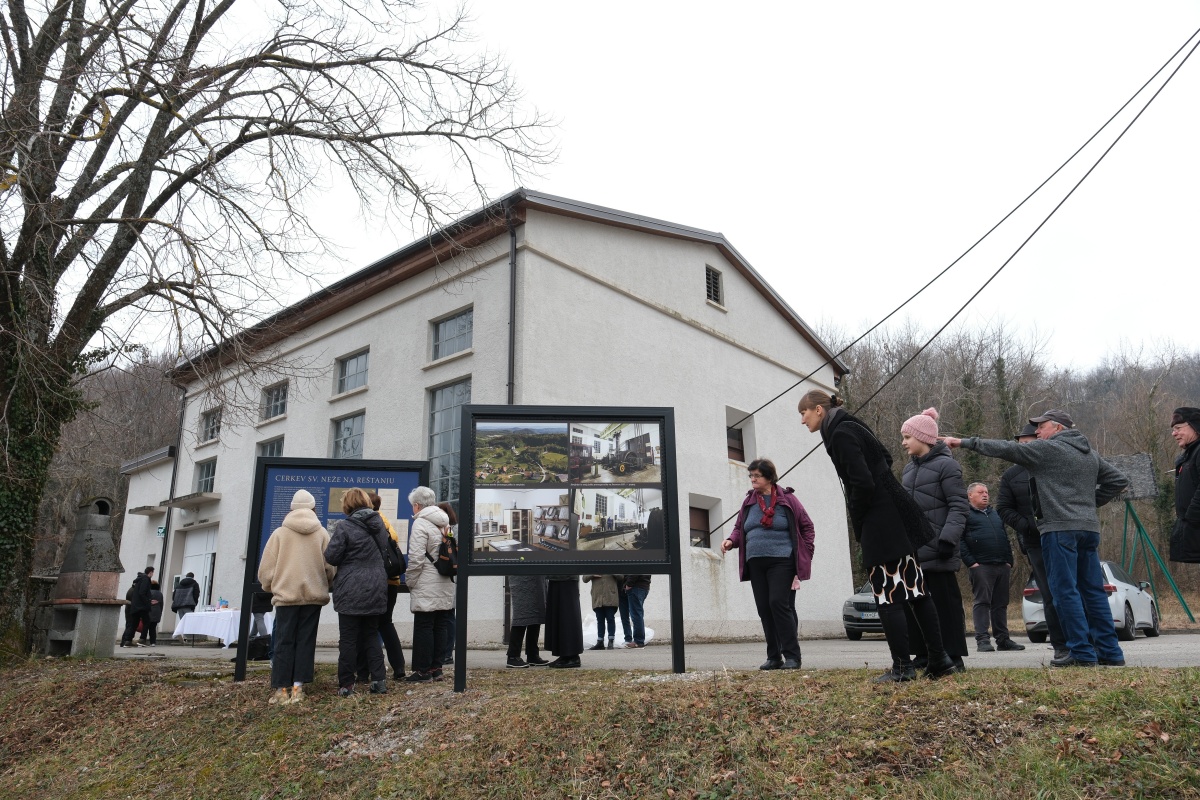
276, 481
567, 485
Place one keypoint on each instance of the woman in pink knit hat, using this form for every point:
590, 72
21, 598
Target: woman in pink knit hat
934, 479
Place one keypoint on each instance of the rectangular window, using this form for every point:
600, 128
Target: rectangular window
348, 436
271, 449
210, 425
453, 334
274, 401
601, 506
737, 449
352, 372
712, 284
445, 420
206, 475
698, 519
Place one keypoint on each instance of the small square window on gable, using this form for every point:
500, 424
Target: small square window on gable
352, 372
210, 425
712, 285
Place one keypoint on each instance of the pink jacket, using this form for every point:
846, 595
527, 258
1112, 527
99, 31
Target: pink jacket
803, 533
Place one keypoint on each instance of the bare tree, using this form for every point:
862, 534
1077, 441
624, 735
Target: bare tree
155, 160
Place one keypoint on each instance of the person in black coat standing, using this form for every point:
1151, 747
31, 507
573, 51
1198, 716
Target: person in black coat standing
186, 596
888, 525
1185, 537
359, 589
1015, 507
139, 606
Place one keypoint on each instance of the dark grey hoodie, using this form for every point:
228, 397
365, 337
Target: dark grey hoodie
1072, 479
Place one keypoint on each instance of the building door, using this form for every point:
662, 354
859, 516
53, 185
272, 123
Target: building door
199, 557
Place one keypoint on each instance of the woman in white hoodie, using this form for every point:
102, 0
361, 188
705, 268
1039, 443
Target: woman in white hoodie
431, 595
293, 569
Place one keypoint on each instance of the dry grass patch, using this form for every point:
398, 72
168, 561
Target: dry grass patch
120, 728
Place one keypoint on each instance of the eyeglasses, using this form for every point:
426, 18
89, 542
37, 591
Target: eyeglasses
755, 474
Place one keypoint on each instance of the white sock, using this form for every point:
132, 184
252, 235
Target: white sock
297, 685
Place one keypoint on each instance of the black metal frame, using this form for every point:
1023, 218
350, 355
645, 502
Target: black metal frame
671, 566
250, 583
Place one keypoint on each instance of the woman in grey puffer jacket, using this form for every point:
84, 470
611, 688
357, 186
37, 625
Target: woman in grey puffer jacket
359, 589
934, 479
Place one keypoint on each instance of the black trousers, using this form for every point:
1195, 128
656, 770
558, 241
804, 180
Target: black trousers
429, 638
1053, 626
132, 618
528, 633
391, 641
895, 628
947, 598
295, 635
771, 581
358, 635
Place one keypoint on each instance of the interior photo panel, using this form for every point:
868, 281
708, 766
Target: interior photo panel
626, 519
520, 453
514, 521
615, 452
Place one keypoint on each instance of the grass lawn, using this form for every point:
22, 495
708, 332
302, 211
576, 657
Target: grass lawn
177, 730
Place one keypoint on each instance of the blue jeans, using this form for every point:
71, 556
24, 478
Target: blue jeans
1077, 583
606, 614
623, 606
637, 614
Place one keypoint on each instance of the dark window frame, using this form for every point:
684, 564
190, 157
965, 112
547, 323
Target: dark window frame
736, 444
712, 285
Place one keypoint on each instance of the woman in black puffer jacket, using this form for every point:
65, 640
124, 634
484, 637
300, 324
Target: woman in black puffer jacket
934, 480
359, 589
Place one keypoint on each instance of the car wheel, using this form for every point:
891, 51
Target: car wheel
1126, 632
1154, 629
1037, 637
853, 636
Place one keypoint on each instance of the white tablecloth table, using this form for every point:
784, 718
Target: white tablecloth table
221, 625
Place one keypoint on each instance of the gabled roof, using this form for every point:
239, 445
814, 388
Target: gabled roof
470, 231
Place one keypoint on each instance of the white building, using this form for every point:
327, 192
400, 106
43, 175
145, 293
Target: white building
543, 301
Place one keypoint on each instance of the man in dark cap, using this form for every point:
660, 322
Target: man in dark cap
1185, 538
1015, 506
1070, 482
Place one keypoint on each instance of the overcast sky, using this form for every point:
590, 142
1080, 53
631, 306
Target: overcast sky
850, 151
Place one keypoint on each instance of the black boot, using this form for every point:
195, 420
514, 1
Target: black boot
599, 645
899, 673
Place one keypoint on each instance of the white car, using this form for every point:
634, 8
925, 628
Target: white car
1133, 607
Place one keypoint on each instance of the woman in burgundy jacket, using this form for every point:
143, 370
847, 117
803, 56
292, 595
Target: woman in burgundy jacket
775, 541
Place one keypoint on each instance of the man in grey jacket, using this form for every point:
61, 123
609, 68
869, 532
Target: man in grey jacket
1070, 481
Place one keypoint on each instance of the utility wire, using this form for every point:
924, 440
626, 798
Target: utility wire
1008, 260
980, 240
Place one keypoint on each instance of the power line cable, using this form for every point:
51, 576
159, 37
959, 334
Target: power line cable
980, 240
1014, 254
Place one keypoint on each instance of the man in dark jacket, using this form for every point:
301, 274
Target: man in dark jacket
1072, 481
186, 596
988, 556
637, 587
139, 606
1015, 507
1185, 538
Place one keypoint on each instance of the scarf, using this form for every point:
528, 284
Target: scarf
768, 509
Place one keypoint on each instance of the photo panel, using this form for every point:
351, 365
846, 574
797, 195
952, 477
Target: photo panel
518, 520
615, 452
626, 519
521, 453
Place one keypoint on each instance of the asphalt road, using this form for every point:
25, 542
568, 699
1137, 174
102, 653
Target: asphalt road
1179, 649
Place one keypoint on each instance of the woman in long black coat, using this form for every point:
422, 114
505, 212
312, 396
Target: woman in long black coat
888, 526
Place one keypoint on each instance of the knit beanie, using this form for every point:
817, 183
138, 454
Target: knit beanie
303, 499
1187, 414
923, 427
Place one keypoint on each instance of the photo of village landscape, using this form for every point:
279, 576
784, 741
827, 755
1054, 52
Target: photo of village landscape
520, 453
615, 452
